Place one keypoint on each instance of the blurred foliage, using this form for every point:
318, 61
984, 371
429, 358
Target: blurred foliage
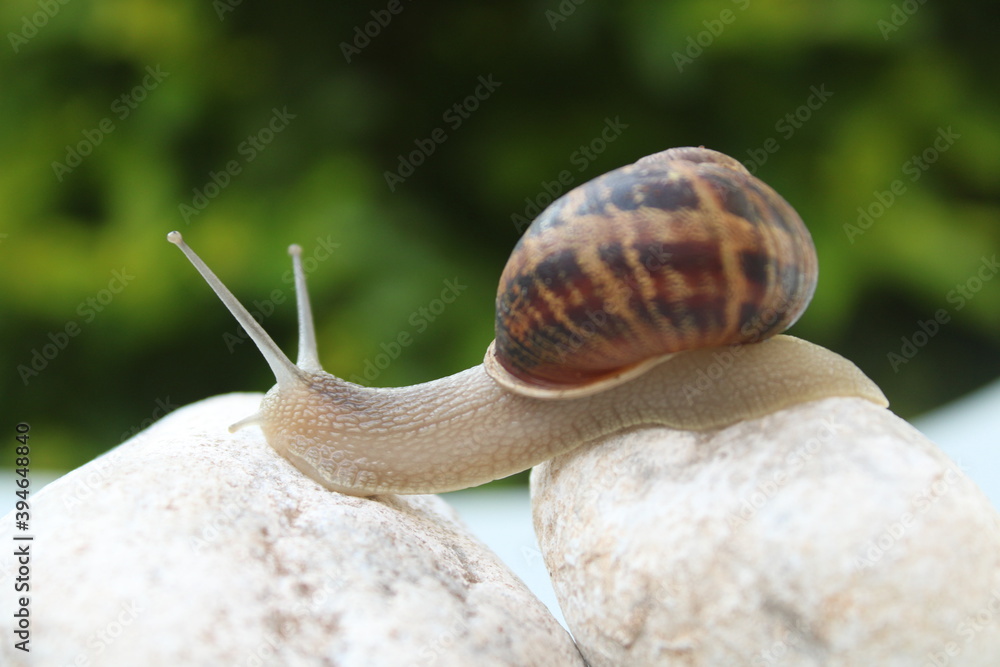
202, 78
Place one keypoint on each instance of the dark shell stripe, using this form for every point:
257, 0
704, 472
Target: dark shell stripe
681, 250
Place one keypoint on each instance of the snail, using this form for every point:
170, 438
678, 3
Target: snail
675, 272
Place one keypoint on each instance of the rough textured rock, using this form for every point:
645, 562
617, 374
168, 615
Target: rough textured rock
190, 546
831, 533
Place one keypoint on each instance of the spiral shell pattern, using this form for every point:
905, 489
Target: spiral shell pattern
682, 250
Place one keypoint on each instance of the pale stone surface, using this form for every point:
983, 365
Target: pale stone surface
190, 546
831, 533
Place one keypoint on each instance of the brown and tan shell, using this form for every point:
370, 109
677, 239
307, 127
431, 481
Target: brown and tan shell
684, 249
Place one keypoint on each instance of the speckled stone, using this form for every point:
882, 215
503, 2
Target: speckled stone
830, 533
190, 546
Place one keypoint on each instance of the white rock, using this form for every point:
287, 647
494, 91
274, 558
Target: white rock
831, 533
190, 546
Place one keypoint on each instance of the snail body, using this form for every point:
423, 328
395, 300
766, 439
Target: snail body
593, 338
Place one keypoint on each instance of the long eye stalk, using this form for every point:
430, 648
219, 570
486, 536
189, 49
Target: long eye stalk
285, 372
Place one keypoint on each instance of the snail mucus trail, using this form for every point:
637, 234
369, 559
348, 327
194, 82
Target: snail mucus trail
611, 312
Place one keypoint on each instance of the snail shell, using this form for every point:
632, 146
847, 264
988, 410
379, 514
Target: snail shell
684, 249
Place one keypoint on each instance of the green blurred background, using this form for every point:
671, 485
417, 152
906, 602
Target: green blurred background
201, 78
